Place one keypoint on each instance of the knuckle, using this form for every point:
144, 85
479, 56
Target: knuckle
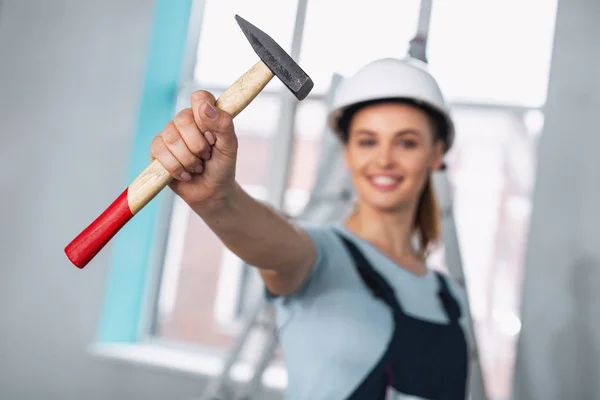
225, 122
157, 146
191, 163
170, 134
203, 95
198, 146
159, 150
184, 118
174, 169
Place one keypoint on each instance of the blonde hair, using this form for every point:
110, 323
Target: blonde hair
427, 222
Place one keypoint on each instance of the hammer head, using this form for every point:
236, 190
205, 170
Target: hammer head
278, 61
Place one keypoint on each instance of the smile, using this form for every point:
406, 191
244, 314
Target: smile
385, 183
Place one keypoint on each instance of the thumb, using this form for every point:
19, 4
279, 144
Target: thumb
219, 123
215, 120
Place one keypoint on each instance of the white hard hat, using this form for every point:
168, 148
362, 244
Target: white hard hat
391, 78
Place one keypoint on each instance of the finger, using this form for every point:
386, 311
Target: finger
176, 145
191, 135
208, 117
160, 152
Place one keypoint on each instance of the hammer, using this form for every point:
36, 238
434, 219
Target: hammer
273, 61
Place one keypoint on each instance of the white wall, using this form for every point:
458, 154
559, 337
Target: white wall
559, 352
70, 80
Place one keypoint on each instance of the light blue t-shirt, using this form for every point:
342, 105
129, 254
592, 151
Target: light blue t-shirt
332, 330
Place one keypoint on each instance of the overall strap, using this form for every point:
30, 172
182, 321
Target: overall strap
378, 286
447, 299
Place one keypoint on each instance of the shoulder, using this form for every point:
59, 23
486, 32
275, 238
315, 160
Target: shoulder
330, 254
458, 291
319, 232
325, 237
456, 288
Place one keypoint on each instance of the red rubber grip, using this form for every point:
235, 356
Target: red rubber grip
93, 238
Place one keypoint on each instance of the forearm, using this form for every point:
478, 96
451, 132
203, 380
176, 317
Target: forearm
256, 233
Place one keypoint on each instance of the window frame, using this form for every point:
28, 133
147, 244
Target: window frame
138, 249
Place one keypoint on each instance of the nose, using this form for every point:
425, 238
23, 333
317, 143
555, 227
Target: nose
385, 157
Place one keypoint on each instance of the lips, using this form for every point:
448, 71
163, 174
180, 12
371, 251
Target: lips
385, 182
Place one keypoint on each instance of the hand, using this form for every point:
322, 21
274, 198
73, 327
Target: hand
199, 149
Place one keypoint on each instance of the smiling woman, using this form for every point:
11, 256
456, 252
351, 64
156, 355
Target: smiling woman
395, 127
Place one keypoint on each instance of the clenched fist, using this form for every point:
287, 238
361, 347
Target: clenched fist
199, 149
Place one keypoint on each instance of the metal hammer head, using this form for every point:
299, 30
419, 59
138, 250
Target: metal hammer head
278, 61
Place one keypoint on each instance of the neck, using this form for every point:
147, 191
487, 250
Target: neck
390, 231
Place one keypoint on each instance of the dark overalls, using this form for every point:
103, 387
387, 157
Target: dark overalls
424, 359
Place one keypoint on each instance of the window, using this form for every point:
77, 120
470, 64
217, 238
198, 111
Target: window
223, 57
492, 60
492, 51
341, 37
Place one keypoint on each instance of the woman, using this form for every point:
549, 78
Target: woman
360, 313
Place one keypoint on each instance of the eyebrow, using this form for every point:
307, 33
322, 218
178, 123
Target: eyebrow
399, 133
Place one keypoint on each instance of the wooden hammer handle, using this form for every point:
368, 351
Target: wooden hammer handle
155, 177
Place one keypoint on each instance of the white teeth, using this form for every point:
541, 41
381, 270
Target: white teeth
384, 180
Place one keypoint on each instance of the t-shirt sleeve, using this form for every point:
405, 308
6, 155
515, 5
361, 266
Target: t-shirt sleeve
320, 237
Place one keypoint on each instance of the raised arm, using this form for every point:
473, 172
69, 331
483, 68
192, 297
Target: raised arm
199, 149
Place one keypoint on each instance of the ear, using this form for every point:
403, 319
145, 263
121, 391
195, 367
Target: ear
438, 156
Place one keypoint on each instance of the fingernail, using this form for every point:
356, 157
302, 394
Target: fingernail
210, 138
206, 155
198, 168
185, 176
209, 110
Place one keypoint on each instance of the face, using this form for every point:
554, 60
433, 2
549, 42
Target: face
390, 152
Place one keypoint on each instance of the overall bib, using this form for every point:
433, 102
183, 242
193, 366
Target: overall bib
423, 358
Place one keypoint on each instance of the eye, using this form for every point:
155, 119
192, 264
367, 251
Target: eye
409, 143
366, 142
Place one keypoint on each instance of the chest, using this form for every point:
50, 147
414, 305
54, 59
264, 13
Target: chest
346, 334
341, 334
342, 325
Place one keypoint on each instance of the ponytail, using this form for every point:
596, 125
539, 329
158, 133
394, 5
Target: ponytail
427, 220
